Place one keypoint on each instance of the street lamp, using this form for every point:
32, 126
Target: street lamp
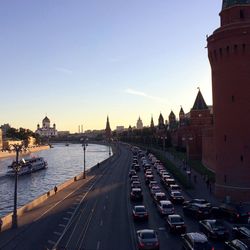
16, 167
164, 142
84, 146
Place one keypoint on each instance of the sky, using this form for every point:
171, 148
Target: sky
78, 61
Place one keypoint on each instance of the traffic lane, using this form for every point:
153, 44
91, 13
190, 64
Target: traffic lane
109, 228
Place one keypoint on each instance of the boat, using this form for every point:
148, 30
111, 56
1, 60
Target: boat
29, 166
66, 144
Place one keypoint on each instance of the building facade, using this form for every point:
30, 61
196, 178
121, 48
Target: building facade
139, 124
45, 130
229, 56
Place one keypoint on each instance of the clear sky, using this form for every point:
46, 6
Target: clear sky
80, 60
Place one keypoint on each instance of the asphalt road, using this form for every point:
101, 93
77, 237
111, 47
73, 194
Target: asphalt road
98, 216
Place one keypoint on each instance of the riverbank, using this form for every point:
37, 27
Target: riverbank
29, 151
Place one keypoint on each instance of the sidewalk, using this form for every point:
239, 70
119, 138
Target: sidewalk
29, 218
201, 189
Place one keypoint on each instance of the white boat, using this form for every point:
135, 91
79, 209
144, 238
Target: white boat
29, 166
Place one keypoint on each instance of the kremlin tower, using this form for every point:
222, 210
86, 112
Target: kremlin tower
229, 56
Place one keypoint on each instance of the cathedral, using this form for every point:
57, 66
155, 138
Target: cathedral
46, 130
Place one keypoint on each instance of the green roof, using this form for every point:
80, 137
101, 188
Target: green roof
229, 3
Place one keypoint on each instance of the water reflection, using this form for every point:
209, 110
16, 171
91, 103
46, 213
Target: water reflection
63, 164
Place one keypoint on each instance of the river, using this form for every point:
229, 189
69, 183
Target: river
64, 162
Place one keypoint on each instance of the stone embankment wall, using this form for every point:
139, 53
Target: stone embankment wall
30, 150
31, 205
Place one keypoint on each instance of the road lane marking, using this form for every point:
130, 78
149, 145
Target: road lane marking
62, 225
104, 208
68, 212
57, 233
98, 245
162, 229
101, 223
65, 218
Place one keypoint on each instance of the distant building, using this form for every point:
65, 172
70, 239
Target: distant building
120, 129
108, 131
46, 130
63, 133
5, 128
1, 139
139, 124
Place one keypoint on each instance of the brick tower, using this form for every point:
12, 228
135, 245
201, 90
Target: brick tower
229, 56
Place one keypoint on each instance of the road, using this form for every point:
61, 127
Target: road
98, 216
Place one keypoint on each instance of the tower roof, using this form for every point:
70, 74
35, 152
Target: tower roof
199, 103
229, 3
181, 111
46, 119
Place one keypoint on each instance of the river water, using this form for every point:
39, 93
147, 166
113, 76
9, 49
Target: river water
64, 162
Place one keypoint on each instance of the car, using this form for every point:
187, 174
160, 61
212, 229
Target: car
154, 189
241, 232
149, 178
169, 181
137, 167
134, 178
175, 224
140, 213
152, 183
197, 211
237, 244
148, 172
174, 187
195, 241
165, 207
237, 213
147, 239
176, 197
199, 202
136, 194
131, 173
214, 229
159, 196
135, 184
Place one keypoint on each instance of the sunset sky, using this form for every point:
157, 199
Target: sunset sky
80, 60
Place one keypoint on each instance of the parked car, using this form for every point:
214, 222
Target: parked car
197, 211
235, 213
140, 213
176, 197
195, 241
152, 183
165, 208
159, 196
238, 244
175, 223
134, 178
214, 229
147, 239
136, 194
241, 232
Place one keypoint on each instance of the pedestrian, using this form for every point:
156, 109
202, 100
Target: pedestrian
98, 164
55, 189
195, 178
1, 224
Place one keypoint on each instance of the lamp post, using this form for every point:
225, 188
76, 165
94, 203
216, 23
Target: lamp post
84, 146
16, 167
163, 142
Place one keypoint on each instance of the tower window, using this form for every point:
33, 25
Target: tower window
220, 51
232, 98
235, 47
225, 138
225, 179
244, 47
241, 158
241, 14
227, 49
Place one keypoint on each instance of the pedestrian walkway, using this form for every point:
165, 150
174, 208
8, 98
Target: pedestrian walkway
29, 218
202, 187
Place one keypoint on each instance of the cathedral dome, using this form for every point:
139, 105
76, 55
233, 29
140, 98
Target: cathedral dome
229, 3
46, 119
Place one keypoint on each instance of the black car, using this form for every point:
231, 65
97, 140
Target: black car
237, 244
195, 241
135, 184
137, 167
175, 223
147, 239
131, 173
197, 211
241, 232
136, 194
236, 213
140, 213
214, 229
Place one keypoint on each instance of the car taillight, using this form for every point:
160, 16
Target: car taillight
237, 215
141, 244
212, 248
